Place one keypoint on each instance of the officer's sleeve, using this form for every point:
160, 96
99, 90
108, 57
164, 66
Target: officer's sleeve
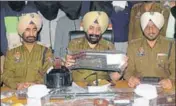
172, 62
72, 46
47, 64
8, 74
130, 71
131, 24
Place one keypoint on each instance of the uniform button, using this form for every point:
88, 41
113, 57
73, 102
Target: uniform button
28, 62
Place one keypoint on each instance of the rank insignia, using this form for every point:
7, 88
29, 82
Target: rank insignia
17, 57
141, 51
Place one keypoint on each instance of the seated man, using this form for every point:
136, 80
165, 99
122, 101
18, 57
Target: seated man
26, 64
153, 55
137, 10
94, 24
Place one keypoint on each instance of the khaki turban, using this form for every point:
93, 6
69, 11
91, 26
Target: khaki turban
156, 17
26, 19
95, 16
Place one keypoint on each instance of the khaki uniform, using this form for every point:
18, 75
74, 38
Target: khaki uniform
21, 66
79, 44
151, 62
135, 30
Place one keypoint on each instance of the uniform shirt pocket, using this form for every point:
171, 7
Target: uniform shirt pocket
20, 68
140, 64
162, 61
162, 58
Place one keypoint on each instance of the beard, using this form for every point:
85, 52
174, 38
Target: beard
151, 37
93, 39
29, 39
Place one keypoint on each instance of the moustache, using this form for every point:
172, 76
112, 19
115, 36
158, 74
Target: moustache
93, 36
31, 37
151, 34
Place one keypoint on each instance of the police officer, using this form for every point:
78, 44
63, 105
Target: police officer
152, 55
94, 24
26, 64
137, 10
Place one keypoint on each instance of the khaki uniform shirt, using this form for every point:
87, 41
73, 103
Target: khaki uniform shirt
151, 62
135, 30
79, 44
21, 66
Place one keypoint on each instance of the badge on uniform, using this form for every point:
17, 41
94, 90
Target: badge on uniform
161, 55
17, 56
141, 51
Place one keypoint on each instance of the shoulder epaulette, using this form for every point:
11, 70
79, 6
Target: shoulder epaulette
15, 46
135, 40
78, 40
46, 45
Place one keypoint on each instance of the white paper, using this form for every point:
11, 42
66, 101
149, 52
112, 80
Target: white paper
77, 89
103, 88
39, 89
35, 93
147, 91
121, 101
113, 59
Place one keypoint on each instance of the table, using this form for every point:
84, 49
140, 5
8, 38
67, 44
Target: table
119, 84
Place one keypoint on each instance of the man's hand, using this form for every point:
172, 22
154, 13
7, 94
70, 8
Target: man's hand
21, 86
114, 76
124, 66
166, 83
133, 81
70, 61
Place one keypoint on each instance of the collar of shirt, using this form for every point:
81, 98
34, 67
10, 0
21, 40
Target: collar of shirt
121, 4
25, 48
145, 43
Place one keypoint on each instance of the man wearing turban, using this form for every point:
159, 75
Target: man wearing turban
137, 10
25, 64
152, 55
95, 24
